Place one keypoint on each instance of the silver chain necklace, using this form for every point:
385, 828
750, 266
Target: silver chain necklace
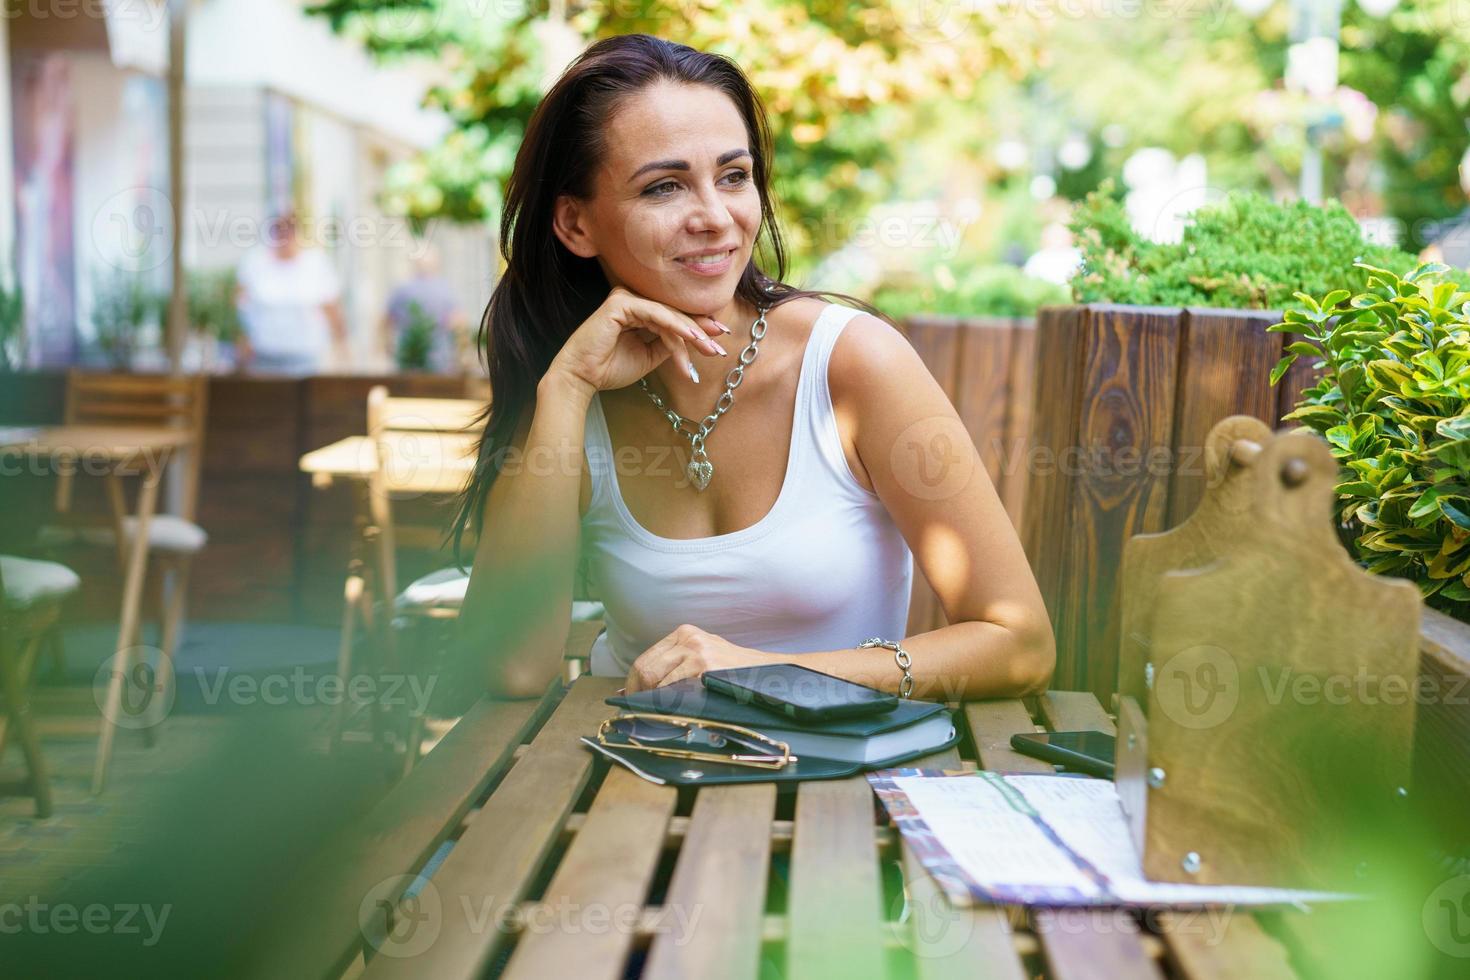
700, 470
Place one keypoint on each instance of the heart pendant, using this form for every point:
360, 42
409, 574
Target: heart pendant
700, 471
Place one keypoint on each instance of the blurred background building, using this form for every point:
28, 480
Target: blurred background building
280, 114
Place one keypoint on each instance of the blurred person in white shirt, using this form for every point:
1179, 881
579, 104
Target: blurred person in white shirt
290, 305
1057, 259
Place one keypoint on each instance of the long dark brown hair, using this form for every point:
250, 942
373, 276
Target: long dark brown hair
547, 292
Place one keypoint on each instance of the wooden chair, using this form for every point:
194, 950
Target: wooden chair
173, 538
31, 596
420, 446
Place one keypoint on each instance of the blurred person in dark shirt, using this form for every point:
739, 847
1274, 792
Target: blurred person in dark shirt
430, 297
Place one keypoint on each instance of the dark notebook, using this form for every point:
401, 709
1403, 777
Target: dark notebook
690, 697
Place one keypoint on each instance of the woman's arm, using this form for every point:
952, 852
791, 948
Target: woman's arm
923, 465
518, 607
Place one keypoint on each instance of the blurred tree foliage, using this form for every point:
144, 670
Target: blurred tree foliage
1415, 65
994, 290
900, 100
840, 79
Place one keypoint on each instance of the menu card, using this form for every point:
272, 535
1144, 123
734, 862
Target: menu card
1038, 839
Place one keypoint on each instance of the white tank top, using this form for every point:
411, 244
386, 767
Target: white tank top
825, 569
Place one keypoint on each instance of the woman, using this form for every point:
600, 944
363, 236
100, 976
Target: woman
631, 220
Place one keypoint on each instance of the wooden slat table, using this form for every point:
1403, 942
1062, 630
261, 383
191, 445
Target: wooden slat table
114, 452
568, 868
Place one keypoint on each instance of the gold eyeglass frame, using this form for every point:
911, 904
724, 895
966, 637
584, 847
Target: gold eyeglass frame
754, 761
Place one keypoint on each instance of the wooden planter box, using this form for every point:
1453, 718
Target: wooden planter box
1124, 397
984, 365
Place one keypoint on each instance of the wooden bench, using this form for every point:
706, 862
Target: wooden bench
563, 868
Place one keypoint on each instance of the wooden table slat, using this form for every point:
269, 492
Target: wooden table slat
1087, 943
1075, 711
720, 877
315, 930
836, 894
1222, 944
493, 864
992, 723
599, 889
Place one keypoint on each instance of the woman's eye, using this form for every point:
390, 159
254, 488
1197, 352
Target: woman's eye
733, 178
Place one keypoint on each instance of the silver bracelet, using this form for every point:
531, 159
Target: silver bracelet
900, 656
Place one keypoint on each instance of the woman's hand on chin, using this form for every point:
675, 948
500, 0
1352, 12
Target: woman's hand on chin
688, 652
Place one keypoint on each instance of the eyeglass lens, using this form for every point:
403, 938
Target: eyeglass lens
648, 730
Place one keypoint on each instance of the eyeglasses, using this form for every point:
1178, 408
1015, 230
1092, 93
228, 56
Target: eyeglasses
709, 741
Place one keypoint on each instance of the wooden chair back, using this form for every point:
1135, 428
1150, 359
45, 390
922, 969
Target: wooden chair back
136, 400
1240, 777
425, 447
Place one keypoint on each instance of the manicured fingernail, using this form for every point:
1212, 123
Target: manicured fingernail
719, 348
693, 373
721, 326
622, 690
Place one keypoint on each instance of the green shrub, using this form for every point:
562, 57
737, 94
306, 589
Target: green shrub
12, 328
1244, 252
123, 306
996, 290
417, 340
1394, 405
212, 310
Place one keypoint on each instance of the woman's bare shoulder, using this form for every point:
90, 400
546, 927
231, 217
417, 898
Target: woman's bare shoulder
867, 346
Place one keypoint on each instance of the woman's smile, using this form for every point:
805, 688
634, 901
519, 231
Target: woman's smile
708, 263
